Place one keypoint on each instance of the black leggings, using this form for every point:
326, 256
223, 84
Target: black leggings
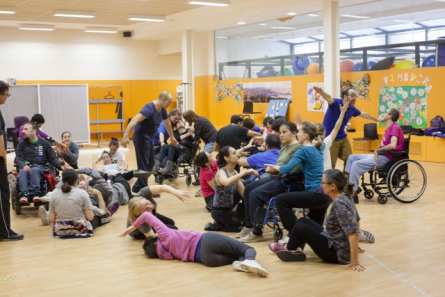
96, 222
308, 231
218, 250
227, 217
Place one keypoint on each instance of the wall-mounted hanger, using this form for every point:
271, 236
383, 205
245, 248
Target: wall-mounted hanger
109, 96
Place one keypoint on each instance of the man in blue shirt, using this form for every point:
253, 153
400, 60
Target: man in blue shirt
145, 125
341, 148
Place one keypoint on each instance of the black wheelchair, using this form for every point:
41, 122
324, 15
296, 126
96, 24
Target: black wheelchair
183, 166
401, 178
45, 187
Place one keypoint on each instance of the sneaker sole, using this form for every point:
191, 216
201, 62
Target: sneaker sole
256, 270
367, 236
259, 239
288, 257
237, 266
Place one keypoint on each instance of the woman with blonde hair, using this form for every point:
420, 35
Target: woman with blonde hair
310, 157
143, 201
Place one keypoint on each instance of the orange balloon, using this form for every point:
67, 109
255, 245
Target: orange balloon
313, 68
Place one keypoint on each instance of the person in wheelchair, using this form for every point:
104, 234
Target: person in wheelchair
32, 157
185, 138
258, 193
39, 120
392, 140
161, 136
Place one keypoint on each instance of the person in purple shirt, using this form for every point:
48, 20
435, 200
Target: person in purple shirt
145, 125
341, 148
211, 249
392, 140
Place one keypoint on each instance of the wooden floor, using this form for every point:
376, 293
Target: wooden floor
407, 258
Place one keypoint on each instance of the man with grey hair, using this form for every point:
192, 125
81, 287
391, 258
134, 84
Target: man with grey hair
5, 216
145, 125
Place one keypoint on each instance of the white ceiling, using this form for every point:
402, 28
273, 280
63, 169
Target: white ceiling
182, 16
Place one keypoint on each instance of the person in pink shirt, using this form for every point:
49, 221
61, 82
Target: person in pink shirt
392, 140
211, 249
209, 167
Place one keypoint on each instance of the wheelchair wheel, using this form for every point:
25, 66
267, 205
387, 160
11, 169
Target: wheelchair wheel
407, 181
12, 179
160, 179
188, 179
369, 194
277, 233
382, 199
13, 194
378, 183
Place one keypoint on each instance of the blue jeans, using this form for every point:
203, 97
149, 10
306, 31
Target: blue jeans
360, 164
29, 182
208, 148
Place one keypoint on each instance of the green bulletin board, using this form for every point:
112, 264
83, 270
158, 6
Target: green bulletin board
410, 101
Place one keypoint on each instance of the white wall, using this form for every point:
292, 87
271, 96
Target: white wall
76, 55
203, 53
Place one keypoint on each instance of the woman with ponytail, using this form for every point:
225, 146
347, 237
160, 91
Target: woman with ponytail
71, 211
310, 157
338, 241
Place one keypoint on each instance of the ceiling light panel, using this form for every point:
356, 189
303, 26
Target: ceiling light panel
36, 27
210, 2
106, 30
74, 14
146, 18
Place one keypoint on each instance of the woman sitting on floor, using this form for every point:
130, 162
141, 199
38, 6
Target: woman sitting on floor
143, 201
211, 249
71, 211
229, 190
338, 241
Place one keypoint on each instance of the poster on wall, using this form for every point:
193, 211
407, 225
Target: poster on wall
264, 92
277, 108
314, 100
410, 101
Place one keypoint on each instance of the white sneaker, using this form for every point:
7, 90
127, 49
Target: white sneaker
255, 267
43, 214
285, 240
366, 236
244, 232
252, 238
237, 266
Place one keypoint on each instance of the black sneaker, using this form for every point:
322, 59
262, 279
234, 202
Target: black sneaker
156, 196
212, 227
141, 173
11, 236
196, 183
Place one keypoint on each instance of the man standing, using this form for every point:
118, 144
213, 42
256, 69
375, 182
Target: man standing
341, 146
5, 217
145, 125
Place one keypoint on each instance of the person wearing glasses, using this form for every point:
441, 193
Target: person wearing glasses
5, 216
392, 140
341, 148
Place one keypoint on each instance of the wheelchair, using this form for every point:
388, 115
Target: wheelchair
400, 178
271, 216
45, 187
183, 166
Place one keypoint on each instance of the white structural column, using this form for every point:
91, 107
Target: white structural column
187, 70
331, 29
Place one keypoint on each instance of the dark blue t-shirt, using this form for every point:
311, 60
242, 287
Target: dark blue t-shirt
332, 115
153, 119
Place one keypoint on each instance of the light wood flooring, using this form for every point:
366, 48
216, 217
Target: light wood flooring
407, 258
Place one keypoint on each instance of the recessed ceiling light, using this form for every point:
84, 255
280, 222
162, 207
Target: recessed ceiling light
241, 23
355, 16
101, 30
7, 10
221, 37
146, 18
291, 13
262, 24
283, 28
36, 27
211, 2
74, 14
313, 15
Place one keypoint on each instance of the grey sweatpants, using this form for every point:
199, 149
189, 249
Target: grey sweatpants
219, 250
